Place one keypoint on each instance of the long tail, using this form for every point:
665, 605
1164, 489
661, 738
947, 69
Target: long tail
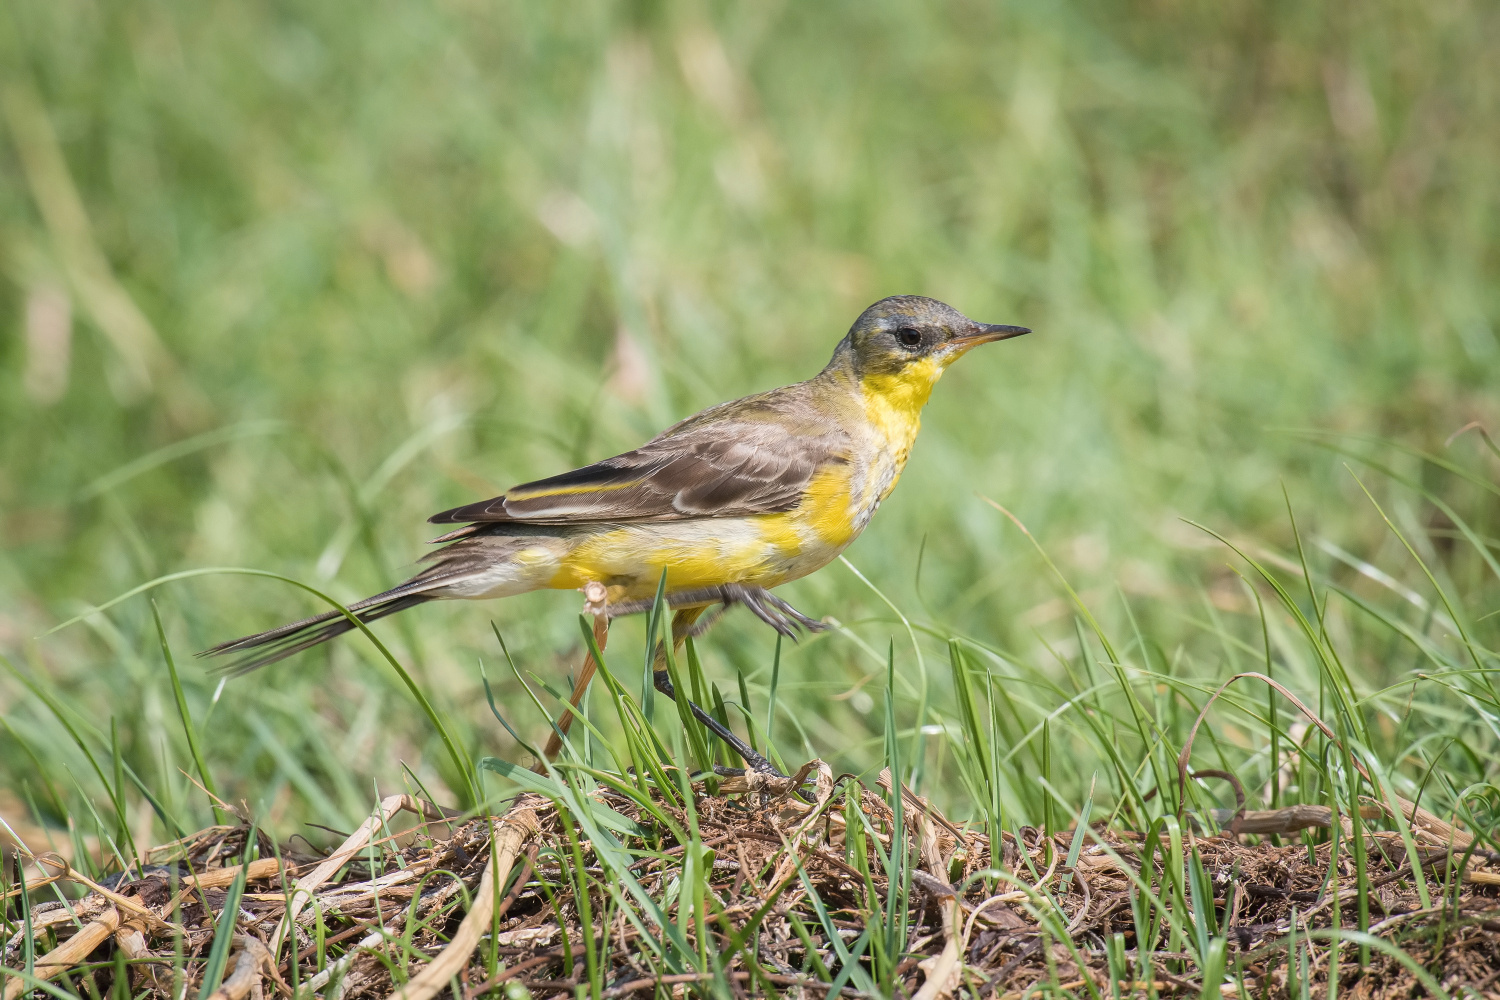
462, 558
254, 651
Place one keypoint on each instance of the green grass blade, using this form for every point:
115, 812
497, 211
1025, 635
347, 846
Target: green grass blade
218, 955
188, 729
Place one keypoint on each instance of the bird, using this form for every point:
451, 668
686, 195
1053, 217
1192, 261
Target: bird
714, 511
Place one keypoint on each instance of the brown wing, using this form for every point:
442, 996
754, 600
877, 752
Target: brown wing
727, 461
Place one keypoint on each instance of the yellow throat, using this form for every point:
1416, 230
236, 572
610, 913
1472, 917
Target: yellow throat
893, 404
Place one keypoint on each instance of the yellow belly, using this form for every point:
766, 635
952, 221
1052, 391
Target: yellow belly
763, 550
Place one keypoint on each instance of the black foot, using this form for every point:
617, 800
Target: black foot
765, 605
752, 758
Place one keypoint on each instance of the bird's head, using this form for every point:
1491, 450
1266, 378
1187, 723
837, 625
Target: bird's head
903, 344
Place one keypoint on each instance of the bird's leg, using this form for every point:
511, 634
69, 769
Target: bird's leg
710, 616
683, 625
595, 595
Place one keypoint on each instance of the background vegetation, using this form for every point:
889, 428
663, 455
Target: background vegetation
280, 280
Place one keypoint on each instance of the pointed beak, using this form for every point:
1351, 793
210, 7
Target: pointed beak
984, 333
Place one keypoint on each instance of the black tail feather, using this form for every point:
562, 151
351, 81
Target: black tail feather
263, 648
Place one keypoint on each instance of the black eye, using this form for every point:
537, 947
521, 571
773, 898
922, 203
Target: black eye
909, 338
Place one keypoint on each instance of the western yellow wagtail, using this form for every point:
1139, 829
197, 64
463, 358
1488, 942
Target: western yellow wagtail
732, 501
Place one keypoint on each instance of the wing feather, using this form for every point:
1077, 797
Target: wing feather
733, 460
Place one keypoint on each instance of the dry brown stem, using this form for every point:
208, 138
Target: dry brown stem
356, 841
510, 833
71, 952
254, 960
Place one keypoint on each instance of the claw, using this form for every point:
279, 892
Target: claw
772, 610
760, 604
811, 624
765, 605
753, 759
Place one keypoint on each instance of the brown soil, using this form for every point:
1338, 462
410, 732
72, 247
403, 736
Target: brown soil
1042, 922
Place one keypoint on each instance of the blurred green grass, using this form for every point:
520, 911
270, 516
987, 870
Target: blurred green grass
371, 262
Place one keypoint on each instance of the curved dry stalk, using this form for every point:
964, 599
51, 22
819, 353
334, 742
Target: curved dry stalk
510, 833
302, 893
70, 952
253, 960
68, 873
1187, 748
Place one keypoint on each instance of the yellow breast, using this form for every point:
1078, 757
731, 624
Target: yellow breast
893, 411
841, 498
828, 507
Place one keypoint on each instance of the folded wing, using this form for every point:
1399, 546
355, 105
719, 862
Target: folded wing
724, 466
